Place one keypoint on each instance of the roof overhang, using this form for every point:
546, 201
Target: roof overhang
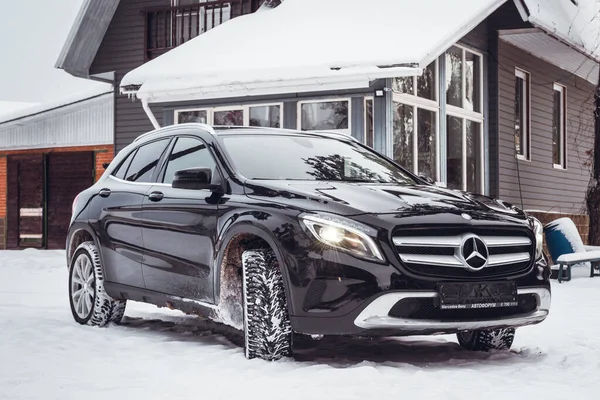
346, 45
546, 47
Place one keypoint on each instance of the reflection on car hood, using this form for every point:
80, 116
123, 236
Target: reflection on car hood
348, 198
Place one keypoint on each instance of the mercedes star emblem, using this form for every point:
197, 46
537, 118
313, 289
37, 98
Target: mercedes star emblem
475, 253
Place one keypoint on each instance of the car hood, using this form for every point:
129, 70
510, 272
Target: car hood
349, 199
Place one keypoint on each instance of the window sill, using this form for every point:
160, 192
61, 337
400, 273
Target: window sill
523, 158
559, 167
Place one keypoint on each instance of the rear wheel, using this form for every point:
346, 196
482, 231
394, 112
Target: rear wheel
495, 339
267, 328
90, 304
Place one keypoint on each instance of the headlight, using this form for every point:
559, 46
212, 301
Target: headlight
344, 234
538, 229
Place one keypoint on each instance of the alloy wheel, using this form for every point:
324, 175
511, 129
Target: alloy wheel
83, 288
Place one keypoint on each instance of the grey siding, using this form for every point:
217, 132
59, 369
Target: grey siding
542, 186
121, 51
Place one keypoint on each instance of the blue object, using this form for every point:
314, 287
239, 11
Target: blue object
556, 239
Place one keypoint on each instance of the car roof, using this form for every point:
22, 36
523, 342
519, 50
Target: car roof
242, 130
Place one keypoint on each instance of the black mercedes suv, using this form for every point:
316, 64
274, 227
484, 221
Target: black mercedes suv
280, 233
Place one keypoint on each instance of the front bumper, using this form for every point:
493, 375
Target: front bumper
376, 315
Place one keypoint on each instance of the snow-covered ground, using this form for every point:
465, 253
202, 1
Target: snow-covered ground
162, 354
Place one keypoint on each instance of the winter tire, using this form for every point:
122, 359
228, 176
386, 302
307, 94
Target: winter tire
496, 339
90, 304
267, 328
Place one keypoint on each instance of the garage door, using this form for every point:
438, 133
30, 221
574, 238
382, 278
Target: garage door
68, 174
25, 201
41, 190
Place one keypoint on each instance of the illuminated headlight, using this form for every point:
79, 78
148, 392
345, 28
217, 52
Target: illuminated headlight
538, 229
344, 234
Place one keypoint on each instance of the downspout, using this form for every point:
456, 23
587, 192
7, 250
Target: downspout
150, 114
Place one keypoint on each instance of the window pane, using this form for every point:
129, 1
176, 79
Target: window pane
427, 143
520, 117
332, 115
454, 77
403, 135
454, 145
184, 117
309, 158
404, 85
426, 83
474, 157
188, 153
145, 161
473, 82
266, 116
229, 118
369, 123
122, 169
557, 129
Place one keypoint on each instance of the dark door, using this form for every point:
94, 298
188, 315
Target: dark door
179, 229
25, 201
67, 175
120, 200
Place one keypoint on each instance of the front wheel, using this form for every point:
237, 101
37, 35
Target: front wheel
495, 339
90, 304
267, 327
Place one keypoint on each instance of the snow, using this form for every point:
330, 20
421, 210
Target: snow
310, 39
163, 354
34, 32
51, 105
578, 24
575, 257
9, 107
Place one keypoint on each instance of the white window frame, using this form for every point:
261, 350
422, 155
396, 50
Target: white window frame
414, 101
210, 112
372, 100
563, 125
469, 115
526, 111
347, 131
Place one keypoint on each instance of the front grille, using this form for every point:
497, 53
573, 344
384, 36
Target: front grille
426, 308
437, 253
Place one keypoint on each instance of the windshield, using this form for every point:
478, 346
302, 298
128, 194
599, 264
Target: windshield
269, 157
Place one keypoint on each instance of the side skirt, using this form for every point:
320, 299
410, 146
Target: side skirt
188, 306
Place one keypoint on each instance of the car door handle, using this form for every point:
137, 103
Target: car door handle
104, 193
156, 196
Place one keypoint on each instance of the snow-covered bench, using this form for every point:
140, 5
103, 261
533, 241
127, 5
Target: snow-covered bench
591, 255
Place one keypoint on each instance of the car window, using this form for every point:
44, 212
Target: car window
145, 161
188, 153
121, 170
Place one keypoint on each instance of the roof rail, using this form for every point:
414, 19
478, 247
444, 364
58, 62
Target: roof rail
206, 127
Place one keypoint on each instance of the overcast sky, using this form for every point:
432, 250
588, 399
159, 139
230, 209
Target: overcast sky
33, 33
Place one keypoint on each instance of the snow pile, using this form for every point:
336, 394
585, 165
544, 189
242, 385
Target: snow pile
9, 107
309, 39
163, 354
577, 24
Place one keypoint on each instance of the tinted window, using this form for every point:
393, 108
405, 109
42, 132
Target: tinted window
145, 161
120, 171
188, 153
309, 158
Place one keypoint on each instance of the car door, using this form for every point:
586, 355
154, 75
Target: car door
120, 218
180, 227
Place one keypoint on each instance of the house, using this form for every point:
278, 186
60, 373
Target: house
48, 154
488, 96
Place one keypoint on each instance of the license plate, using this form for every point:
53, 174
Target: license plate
457, 296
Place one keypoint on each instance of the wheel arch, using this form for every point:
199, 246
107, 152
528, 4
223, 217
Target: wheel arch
243, 230
79, 233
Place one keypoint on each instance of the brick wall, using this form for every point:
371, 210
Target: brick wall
104, 154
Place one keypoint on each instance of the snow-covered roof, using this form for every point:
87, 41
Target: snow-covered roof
309, 41
34, 109
10, 107
574, 22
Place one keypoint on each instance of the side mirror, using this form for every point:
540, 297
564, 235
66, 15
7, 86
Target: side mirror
427, 179
194, 179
